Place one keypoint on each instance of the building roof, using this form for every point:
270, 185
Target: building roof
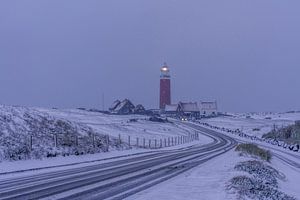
189, 107
114, 105
124, 107
171, 108
208, 105
122, 104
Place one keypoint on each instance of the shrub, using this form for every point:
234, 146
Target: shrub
265, 173
255, 189
254, 150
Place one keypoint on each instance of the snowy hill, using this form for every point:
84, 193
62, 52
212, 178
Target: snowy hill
126, 125
27, 133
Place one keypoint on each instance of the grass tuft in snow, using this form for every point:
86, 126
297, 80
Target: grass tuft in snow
254, 150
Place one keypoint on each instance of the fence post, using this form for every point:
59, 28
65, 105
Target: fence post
93, 140
120, 141
155, 143
165, 142
129, 140
107, 143
149, 143
160, 143
144, 143
55, 140
76, 140
168, 141
137, 142
30, 142
172, 141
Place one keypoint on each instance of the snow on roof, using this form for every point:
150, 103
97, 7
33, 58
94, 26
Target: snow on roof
122, 104
171, 108
204, 105
189, 107
115, 104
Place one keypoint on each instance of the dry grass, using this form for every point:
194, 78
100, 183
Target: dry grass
254, 150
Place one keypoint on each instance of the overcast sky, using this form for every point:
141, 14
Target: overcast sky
66, 53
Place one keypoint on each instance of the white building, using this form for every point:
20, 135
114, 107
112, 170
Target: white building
208, 108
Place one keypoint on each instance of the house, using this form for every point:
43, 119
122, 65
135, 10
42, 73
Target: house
122, 107
139, 109
183, 110
208, 109
126, 107
190, 109
172, 110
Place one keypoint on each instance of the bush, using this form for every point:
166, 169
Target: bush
254, 150
255, 189
266, 174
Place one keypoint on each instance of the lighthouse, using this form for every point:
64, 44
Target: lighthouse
165, 87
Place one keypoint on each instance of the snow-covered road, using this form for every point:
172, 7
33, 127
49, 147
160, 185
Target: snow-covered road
117, 179
209, 180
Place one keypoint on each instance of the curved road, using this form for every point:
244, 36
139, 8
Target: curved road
116, 179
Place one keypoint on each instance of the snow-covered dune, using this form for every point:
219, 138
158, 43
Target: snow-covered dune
125, 125
29, 133
34, 132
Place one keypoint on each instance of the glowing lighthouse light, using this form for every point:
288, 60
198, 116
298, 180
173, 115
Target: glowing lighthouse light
165, 71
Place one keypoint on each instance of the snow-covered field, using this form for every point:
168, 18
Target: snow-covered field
254, 124
119, 124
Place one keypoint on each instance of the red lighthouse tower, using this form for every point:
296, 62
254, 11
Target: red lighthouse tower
165, 87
